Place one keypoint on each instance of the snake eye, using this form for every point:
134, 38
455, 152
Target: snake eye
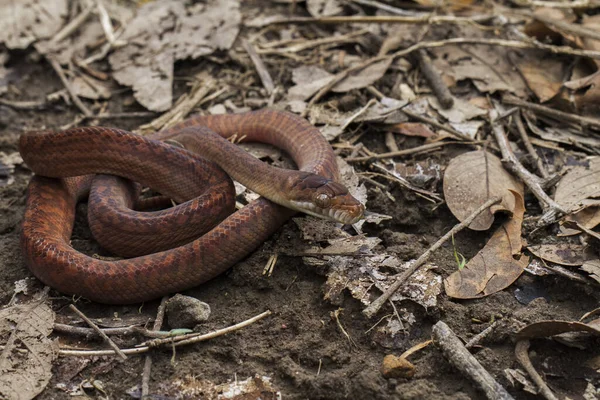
322, 200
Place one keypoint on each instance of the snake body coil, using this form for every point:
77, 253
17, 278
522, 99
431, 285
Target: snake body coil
63, 160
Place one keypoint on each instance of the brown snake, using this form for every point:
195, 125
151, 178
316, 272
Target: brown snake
63, 160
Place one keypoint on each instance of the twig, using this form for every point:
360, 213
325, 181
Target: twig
386, 7
133, 114
523, 358
99, 331
169, 342
374, 307
23, 105
390, 141
127, 330
336, 315
184, 106
72, 26
265, 77
481, 335
428, 18
559, 115
433, 77
552, 209
559, 4
296, 45
404, 152
76, 100
357, 114
530, 149
461, 359
160, 316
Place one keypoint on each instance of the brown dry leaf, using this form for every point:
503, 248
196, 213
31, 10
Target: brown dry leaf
164, 32
308, 79
26, 21
551, 328
591, 97
489, 68
460, 112
544, 74
592, 267
563, 134
28, 352
324, 8
494, 268
549, 32
363, 78
473, 178
560, 253
580, 187
588, 218
411, 129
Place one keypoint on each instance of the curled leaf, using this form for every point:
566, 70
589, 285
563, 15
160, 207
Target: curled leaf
494, 267
580, 187
473, 178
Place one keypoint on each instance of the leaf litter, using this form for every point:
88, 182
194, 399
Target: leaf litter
387, 99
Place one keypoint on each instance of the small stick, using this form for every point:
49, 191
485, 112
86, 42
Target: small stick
461, 359
404, 152
428, 18
265, 77
169, 342
481, 335
160, 316
76, 100
73, 25
99, 331
374, 307
386, 7
552, 209
530, 149
559, 115
390, 142
433, 77
521, 350
89, 332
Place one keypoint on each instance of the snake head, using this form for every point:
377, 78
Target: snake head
324, 198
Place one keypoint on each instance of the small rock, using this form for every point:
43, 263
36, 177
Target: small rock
396, 367
186, 312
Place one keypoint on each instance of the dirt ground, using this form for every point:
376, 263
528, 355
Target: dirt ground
300, 346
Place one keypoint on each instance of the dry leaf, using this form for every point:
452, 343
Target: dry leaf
461, 110
489, 68
26, 358
560, 253
592, 267
471, 179
26, 21
411, 129
588, 218
551, 328
164, 32
308, 79
494, 268
544, 74
363, 78
360, 275
324, 8
578, 185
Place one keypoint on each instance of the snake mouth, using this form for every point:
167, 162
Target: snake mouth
344, 216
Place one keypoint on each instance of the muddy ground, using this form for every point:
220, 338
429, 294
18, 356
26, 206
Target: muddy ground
300, 345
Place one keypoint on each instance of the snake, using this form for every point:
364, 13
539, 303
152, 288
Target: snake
99, 162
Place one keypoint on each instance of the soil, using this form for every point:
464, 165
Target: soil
300, 345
